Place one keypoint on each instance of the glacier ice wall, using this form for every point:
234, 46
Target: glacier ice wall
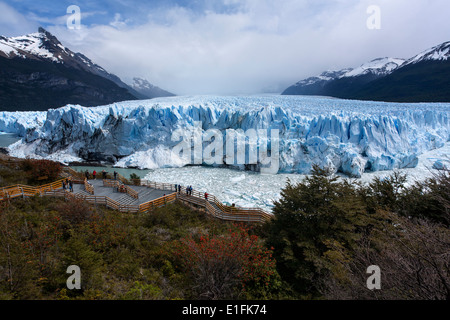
345, 136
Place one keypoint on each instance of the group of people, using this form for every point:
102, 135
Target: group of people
68, 184
104, 174
189, 190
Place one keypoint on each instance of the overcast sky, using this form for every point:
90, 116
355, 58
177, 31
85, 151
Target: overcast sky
232, 46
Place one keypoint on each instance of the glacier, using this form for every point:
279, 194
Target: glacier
345, 136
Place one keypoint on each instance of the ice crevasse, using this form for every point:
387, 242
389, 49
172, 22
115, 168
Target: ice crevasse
345, 136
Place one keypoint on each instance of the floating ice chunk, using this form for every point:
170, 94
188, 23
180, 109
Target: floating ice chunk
237, 179
441, 164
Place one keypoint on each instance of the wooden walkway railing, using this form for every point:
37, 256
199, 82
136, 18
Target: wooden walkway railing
116, 184
211, 205
110, 203
132, 193
27, 191
88, 187
220, 210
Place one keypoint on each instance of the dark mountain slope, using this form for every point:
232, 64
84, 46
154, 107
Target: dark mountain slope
426, 81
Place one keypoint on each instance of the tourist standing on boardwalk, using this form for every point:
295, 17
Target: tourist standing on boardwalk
64, 185
206, 196
87, 174
70, 185
94, 173
115, 175
104, 174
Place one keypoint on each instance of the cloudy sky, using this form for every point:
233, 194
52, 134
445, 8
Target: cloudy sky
232, 46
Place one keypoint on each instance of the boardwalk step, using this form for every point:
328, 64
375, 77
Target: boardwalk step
83, 193
126, 200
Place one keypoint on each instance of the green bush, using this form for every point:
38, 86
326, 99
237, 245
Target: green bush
327, 231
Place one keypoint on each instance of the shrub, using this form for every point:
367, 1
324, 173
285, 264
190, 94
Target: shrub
41, 170
75, 211
227, 266
136, 180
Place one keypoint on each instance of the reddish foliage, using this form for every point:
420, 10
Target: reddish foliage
41, 170
224, 266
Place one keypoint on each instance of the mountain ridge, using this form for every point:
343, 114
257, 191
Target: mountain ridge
146, 88
381, 78
38, 73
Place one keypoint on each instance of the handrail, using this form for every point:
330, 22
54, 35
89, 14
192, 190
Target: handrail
234, 214
88, 187
116, 184
24, 190
150, 205
131, 192
220, 211
111, 183
225, 210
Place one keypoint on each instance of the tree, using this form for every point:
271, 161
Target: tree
414, 258
312, 219
228, 266
41, 170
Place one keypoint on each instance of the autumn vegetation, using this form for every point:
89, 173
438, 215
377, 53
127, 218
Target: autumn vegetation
28, 172
326, 231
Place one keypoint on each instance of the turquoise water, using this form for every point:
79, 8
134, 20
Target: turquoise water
124, 172
6, 139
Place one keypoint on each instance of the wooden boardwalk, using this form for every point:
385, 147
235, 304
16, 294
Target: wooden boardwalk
143, 196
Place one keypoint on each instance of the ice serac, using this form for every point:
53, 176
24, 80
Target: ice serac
345, 136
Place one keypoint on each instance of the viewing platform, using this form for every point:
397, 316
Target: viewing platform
135, 196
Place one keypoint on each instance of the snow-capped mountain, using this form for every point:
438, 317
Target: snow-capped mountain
377, 67
146, 88
335, 83
345, 136
386, 79
37, 73
43, 46
323, 77
438, 53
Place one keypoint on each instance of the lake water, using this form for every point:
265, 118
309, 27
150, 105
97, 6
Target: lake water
6, 139
124, 172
